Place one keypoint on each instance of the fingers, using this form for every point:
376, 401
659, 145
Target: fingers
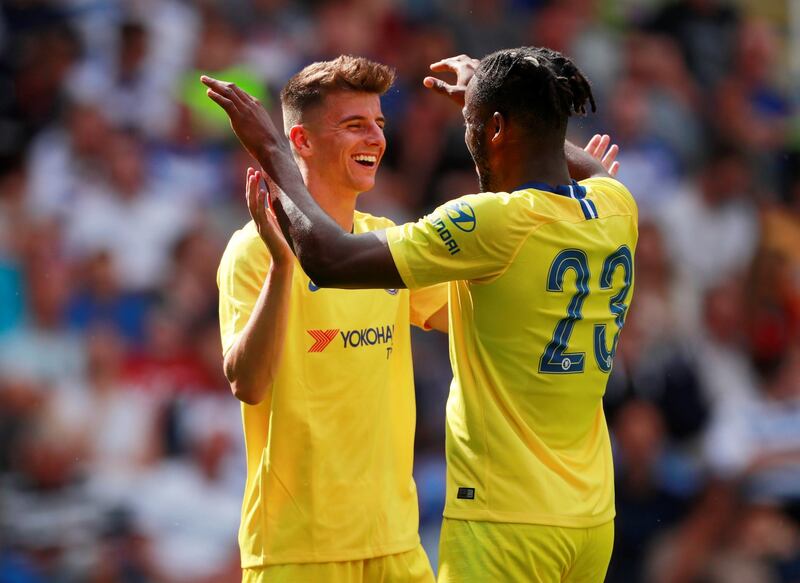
271, 186
598, 148
268, 226
242, 95
438, 86
225, 93
252, 188
223, 88
605, 140
451, 64
261, 202
597, 145
212, 83
443, 66
610, 156
272, 221
256, 196
271, 191
591, 146
222, 101
260, 195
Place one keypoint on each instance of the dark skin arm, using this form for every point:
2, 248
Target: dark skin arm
329, 256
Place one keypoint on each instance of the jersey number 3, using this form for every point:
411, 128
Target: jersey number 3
555, 359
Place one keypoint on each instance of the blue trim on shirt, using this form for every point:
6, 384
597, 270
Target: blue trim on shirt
572, 190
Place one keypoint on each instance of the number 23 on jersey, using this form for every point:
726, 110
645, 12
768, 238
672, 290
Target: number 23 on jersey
556, 358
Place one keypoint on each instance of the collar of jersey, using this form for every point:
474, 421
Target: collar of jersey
572, 190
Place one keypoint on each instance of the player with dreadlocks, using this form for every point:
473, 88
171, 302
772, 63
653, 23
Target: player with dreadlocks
540, 266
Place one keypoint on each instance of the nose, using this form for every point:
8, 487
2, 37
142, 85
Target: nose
375, 136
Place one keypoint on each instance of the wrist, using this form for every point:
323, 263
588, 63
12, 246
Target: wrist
282, 264
269, 150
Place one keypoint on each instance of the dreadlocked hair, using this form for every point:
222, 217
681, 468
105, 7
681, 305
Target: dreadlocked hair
539, 86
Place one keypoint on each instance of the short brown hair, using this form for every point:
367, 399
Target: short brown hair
309, 87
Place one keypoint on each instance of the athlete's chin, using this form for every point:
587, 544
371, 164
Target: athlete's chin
363, 183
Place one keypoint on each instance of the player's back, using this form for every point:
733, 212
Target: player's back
542, 336
544, 281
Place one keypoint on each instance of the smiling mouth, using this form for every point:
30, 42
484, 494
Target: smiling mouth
367, 160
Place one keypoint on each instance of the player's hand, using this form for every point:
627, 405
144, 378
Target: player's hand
463, 66
266, 223
250, 121
598, 147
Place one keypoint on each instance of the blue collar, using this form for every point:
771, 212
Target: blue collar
572, 190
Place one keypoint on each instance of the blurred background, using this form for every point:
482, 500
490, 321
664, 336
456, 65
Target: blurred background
121, 456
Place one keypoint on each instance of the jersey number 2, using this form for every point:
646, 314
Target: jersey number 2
555, 359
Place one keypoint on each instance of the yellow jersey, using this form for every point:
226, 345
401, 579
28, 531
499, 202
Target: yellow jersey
330, 450
541, 279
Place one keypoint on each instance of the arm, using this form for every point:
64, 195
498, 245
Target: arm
251, 363
329, 256
596, 159
428, 307
439, 320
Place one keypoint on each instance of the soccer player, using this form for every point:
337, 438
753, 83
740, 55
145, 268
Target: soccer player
541, 275
325, 375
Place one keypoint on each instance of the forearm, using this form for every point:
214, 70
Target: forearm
328, 255
581, 164
252, 362
317, 240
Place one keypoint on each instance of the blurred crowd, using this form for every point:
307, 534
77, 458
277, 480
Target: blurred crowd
121, 456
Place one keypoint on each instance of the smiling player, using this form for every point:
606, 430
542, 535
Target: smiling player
325, 375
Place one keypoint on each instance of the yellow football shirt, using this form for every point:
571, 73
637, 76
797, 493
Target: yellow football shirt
330, 452
540, 284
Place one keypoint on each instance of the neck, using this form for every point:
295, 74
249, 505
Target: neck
531, 166
522, 161
337, 203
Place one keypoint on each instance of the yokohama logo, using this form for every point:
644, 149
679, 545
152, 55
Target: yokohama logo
322, 339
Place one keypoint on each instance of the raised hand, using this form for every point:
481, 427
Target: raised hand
250, 121
597, 147
266, 223
463, 66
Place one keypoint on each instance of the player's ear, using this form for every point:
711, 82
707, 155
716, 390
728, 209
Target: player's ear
298, 137
497, 128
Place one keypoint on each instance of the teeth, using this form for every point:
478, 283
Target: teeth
365, 158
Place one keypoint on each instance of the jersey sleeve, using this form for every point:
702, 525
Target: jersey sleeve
470, 238
425, 302
240, 276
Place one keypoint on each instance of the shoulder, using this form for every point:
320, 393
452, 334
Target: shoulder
245, 245
483, 206
491, 213
366, 222
613, 190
